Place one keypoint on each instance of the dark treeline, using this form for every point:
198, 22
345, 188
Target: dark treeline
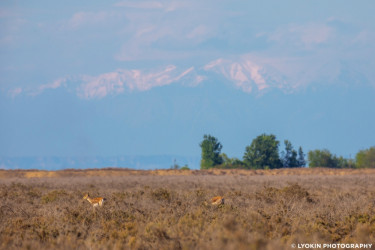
264, 153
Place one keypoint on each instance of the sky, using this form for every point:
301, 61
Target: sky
109, 78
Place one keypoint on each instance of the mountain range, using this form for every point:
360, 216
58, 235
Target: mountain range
249, 73
166, 111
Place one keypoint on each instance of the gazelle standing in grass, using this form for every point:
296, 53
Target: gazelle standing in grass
217, 200
94, 201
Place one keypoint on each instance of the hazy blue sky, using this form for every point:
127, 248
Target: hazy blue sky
85, 78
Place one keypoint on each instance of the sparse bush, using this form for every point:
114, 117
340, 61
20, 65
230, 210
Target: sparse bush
185, 167
161, 194
53, 196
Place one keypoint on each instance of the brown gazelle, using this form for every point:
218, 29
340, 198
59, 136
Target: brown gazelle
218, 200
94, 201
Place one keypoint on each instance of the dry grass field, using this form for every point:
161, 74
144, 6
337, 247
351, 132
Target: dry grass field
171, 209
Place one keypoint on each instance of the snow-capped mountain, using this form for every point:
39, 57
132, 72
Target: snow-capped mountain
248, 73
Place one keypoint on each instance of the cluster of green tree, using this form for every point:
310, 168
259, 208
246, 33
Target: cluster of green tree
262, 153
365, 158
324, 158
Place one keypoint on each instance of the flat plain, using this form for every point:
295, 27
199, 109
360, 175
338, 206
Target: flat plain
171, 209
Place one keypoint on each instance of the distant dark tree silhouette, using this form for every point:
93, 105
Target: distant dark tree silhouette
289, 156
301, 158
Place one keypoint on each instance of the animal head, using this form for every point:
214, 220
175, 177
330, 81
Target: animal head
218, 200
86, 196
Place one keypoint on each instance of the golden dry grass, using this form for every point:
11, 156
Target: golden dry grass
128, 172
170, 209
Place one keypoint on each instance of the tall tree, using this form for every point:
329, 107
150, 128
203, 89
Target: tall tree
366, 158
301, 158
263, 153
289, 156
211, 149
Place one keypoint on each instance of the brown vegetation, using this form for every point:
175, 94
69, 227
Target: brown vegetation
269, 209
212, 171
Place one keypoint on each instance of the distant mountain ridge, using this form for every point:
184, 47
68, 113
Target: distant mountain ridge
248, 73
133, 162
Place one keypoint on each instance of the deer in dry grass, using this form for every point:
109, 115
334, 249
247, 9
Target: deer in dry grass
94, 201
218, 200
